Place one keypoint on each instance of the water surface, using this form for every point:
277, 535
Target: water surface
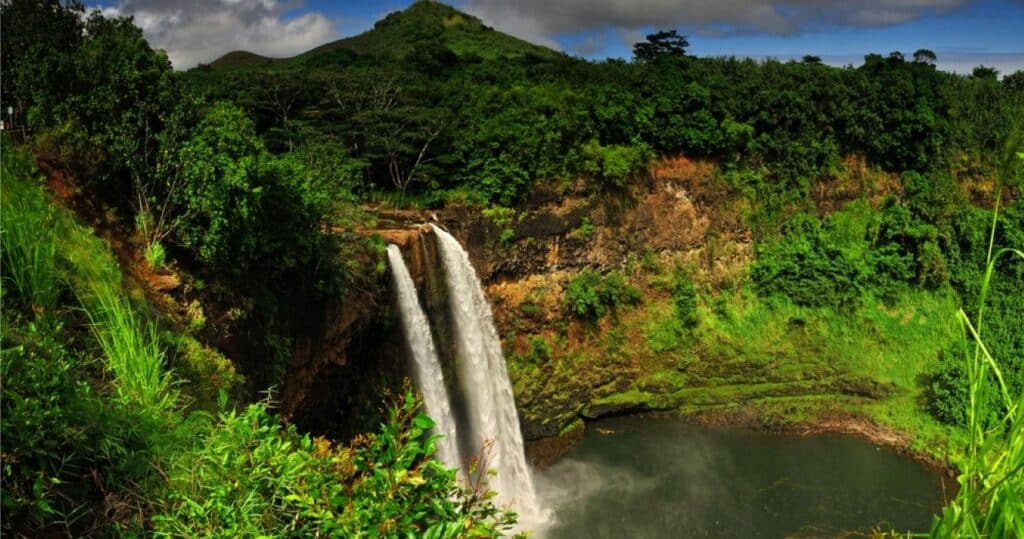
650, 477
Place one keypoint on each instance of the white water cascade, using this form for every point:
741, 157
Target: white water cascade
484, 381
427, 367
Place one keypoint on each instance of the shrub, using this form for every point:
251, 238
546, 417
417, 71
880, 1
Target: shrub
613, 165
949, 394
684, 298
590, 295
155, 255
540, 351
808, 266
51, 427
500, 180
249, 476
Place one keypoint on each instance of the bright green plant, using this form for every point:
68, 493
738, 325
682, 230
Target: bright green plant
28, 239
155, 255
684, 298
992, 471
589, 295
586, 228
249, 476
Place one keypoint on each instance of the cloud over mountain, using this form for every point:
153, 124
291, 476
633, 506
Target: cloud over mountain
543, 18
193, 31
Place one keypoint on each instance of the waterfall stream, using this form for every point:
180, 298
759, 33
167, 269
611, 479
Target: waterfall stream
483, 379
427, 367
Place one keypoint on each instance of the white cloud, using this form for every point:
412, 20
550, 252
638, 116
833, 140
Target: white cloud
194, 31
544, 18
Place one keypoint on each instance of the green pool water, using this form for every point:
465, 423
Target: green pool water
651, 477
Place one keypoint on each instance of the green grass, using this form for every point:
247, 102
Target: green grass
28, 235
132, 349
44, 251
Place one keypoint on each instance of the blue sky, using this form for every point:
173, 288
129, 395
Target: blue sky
963, 33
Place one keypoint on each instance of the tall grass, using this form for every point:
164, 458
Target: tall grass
28, 237
132, 348
45, 251
991, 498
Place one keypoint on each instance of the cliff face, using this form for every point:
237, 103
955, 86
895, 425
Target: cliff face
679, 215
681, 220
341, 366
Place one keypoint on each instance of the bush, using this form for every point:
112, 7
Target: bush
249, 477
684, 299
540, 351
809, 266
240, 208
53, 427
949, 394
590, 295
155, 255
614, 165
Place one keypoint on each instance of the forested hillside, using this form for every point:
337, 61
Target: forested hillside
253, 184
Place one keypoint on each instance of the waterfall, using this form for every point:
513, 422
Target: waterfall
427, 368
483, 379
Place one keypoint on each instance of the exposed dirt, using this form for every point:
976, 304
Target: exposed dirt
161, 288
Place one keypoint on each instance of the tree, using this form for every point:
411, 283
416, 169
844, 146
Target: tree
39, 38
1015, 81
221, 196
811, 59
924, 56
661, 44
985, 72
126, 92
392, 127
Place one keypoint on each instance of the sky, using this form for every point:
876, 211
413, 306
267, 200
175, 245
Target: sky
963, 33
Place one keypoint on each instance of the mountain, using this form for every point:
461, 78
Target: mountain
236, 59
403, 33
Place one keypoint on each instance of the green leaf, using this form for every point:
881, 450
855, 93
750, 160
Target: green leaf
423, 422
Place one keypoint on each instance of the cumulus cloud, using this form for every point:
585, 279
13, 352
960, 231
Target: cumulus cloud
544, 18
194, 31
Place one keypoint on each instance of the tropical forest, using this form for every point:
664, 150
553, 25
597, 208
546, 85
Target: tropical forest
434, 278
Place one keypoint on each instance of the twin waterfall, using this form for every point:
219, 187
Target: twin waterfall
490, 411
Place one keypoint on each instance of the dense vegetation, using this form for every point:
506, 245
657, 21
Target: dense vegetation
247, 173
99, 437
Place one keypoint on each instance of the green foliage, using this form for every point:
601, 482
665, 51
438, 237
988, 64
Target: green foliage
949, 398
540, 352
590, 295
665, 43
665, 331
222, 190
859, 249
500, 181
684, 298
155, 255
614, 165
48, 423
992, 471
809, 266
29, 245
251, 477
586, 229
131, 347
